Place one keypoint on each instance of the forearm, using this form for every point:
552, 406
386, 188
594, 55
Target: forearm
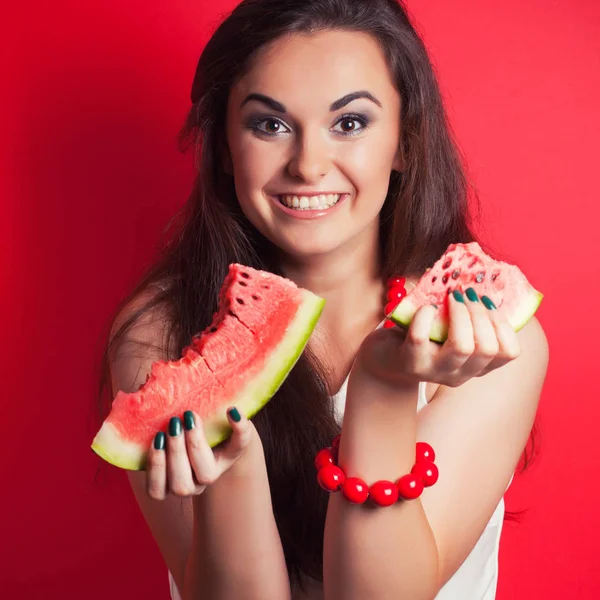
378, 553
236, 550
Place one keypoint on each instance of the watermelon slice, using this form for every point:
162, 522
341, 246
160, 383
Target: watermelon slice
262, 326
463, 266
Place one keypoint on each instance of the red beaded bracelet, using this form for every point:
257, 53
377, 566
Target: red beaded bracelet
382, 493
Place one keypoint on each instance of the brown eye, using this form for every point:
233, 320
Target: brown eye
351, 124
272, 126
348, 125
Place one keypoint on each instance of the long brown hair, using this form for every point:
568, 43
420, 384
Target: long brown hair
429, 206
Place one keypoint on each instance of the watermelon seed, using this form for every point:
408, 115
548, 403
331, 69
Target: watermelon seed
447, 264
445, 278
245, 275
243, 284
494, 276
255, 297
434, 280
239, 301
456, 274
264, 286
212, 329
480, 277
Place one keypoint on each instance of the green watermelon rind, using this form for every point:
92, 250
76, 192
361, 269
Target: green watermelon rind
110, 445
404, 312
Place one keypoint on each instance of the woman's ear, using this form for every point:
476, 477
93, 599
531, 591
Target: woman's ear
399, 162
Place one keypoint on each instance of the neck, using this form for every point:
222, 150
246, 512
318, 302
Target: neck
348, 278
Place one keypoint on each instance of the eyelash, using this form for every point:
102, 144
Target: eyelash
255, 122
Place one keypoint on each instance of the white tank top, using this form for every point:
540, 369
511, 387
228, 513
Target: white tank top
477, 577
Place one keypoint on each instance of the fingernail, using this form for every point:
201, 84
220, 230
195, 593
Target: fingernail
159, 441
487, 303
188, 420
458, 296
234, 413
174, 426
472, 294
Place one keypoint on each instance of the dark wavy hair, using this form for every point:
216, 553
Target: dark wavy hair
428, 206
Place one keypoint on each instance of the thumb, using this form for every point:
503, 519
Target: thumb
241, 436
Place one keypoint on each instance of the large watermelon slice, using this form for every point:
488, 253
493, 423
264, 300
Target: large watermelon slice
463, 266
257, 335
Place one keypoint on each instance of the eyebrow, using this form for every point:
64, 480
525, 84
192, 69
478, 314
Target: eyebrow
278, 107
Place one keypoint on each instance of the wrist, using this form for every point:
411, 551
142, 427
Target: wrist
369, 383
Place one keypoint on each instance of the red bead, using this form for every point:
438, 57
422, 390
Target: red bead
324, 457
389, 324
427, 471
389, 307
383, 493
409, 486
396, 281
424, 452
355, 490
335, 445
396, 294
330, 478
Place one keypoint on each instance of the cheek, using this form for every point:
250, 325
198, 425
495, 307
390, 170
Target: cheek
254, 163
369, 164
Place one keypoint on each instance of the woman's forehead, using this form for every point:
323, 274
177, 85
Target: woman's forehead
317, 69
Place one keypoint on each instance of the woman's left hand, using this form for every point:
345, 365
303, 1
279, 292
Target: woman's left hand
479, 341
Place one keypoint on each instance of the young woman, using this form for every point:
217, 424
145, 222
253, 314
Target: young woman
325, 156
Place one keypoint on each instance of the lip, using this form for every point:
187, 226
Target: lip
309, 214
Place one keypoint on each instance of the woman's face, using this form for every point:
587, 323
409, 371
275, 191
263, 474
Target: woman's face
313, 131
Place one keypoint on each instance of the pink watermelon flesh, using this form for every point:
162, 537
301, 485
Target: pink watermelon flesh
257, 335
463, 266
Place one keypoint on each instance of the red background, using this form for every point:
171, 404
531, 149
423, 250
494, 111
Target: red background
93, 96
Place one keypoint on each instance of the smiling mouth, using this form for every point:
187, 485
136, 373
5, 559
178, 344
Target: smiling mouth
321, 202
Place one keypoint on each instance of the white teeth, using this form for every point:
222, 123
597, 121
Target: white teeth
323, 201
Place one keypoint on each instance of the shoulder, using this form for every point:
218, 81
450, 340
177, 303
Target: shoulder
139, 335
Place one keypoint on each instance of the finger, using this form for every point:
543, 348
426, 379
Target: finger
179, 470
460, 343
508, 341
242, 431
200, 454
419, 351
486, 345
156, 468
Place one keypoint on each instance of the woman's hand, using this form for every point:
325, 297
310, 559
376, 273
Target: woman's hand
182, 463
479, 341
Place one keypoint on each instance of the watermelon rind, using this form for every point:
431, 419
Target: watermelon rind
404, 312
110, 445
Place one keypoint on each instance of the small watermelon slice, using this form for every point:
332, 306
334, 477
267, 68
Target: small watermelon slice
463, 266
260, 330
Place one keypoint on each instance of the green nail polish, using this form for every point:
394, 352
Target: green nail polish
458, 296
234, 413
487, 303
175, 427
159, 441
188, 420
472, 295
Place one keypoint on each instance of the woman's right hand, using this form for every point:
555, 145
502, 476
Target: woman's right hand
182, 463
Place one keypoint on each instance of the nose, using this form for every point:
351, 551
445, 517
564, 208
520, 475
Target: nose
310, 161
